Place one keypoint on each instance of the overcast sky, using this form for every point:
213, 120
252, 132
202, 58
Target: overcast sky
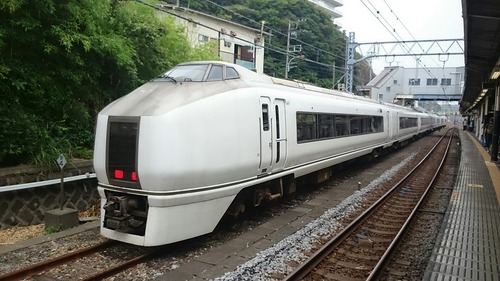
411, 20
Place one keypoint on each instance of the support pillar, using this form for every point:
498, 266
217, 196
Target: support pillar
350, 61
496, 123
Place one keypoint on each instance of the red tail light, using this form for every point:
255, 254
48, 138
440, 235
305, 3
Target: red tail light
134, 176
118, 174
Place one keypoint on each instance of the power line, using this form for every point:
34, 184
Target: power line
399, 40
404, 26
275, 30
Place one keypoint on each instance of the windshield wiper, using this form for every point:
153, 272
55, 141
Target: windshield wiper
164, 76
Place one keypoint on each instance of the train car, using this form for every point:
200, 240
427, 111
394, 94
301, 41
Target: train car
210, 138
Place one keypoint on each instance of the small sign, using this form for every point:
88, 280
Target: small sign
61, 161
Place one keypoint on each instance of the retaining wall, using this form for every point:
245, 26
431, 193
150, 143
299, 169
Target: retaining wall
27, 206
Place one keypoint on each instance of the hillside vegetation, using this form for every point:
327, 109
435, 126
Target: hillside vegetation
62, 61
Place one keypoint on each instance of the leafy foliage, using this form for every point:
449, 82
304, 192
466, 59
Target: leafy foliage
61, 61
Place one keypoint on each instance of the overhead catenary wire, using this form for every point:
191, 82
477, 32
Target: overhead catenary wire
275, 30
396, 35
344, 69
404, 26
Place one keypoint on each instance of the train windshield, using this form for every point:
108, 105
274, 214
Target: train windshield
188, 73
199, 73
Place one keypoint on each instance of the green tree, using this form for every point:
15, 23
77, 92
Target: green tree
61, 61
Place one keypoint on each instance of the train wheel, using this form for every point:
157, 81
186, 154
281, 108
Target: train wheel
236, 209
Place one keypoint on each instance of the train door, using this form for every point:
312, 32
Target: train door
266, 142
279, 134
273, 140
390, 126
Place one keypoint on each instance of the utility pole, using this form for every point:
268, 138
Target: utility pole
296, 48
333, 75
287, 50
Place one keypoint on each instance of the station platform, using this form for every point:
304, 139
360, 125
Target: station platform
468, 245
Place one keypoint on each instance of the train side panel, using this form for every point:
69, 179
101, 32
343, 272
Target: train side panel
210, 142
338, 148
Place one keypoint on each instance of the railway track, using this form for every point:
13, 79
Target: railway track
365, 246
111, 257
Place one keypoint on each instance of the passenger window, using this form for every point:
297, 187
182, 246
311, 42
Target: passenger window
215, 73
231, 73
341, 125
265, 117
355, 125
306, 127
326, 126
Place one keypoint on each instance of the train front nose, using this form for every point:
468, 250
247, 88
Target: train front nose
121, 148
124, 212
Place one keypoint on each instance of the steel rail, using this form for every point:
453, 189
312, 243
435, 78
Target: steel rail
301, 271
120, 267
378, 270
39, 267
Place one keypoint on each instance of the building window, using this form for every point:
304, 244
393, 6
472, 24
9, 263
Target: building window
244, 53
445, 81
414, 82
432, 81
394, 82
202, 38
388, 89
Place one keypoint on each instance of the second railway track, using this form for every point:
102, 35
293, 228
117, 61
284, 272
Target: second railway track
90, 263
362, 250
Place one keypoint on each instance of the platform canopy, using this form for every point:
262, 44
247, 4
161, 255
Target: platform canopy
482, 45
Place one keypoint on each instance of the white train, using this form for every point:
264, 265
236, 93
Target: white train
211, 138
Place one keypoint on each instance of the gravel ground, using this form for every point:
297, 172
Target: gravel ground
16, 234
275, 261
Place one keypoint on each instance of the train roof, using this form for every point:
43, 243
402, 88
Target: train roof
188, 79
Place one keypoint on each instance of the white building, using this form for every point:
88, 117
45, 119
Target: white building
332, 6
237, 43
397, 84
